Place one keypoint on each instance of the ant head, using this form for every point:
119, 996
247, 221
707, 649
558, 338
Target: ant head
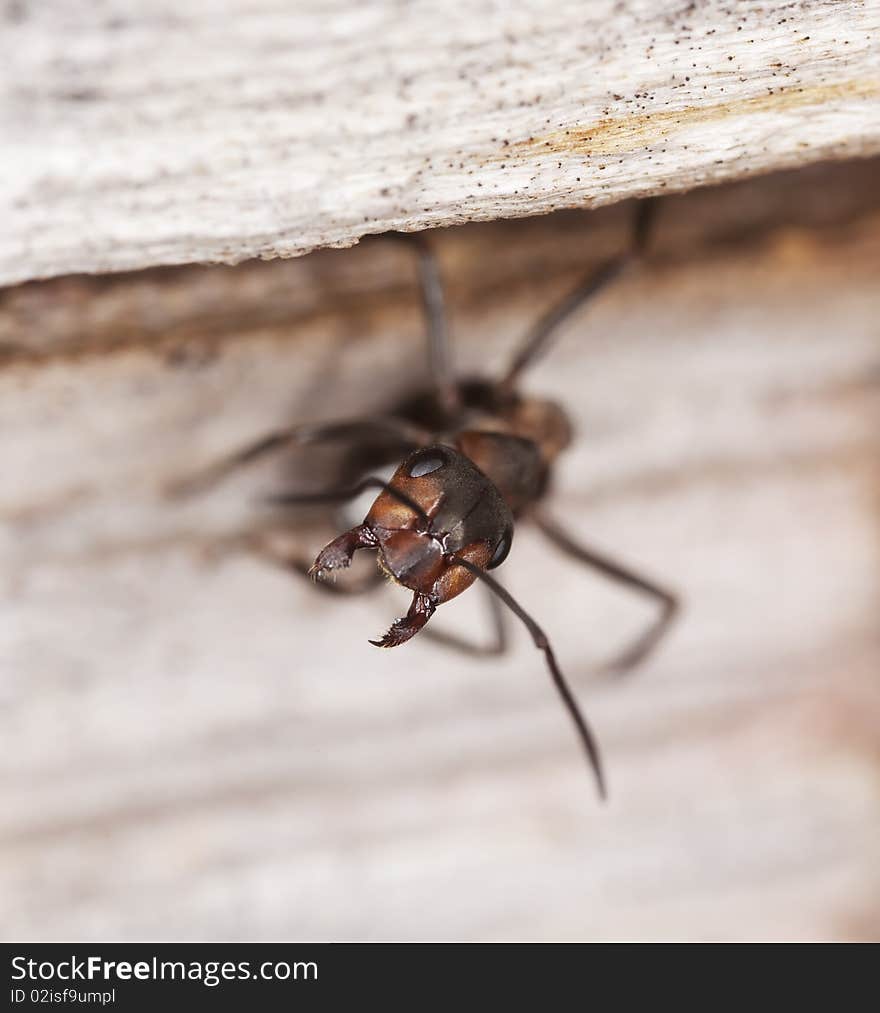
460, 515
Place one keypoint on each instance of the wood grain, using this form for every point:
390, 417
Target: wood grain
185, 132
196, 745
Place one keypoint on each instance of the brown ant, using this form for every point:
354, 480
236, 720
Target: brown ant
479, 459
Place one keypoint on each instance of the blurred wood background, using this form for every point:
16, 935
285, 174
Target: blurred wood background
178, 131
198, 746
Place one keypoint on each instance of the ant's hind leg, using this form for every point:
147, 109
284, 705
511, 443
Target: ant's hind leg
668, 602
436, 325
496, 646
539, 339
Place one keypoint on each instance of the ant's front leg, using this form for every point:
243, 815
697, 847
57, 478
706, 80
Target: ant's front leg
667, 600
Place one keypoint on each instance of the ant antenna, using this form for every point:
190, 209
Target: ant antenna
300, 436
349, 492
588, 740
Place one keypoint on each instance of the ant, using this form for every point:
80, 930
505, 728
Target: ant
479, 457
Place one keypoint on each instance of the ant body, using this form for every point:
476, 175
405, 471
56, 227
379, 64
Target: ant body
479, 459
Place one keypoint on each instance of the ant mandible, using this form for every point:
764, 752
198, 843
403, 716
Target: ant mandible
479, 459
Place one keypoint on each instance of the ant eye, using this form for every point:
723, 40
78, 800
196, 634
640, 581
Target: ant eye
501, 550
427, 463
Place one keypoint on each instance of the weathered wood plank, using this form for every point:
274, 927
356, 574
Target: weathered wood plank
186, 132
195, 745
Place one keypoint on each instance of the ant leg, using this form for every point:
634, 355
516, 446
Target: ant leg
669, 603
434, 307
299, 436
496, 647
539, 338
